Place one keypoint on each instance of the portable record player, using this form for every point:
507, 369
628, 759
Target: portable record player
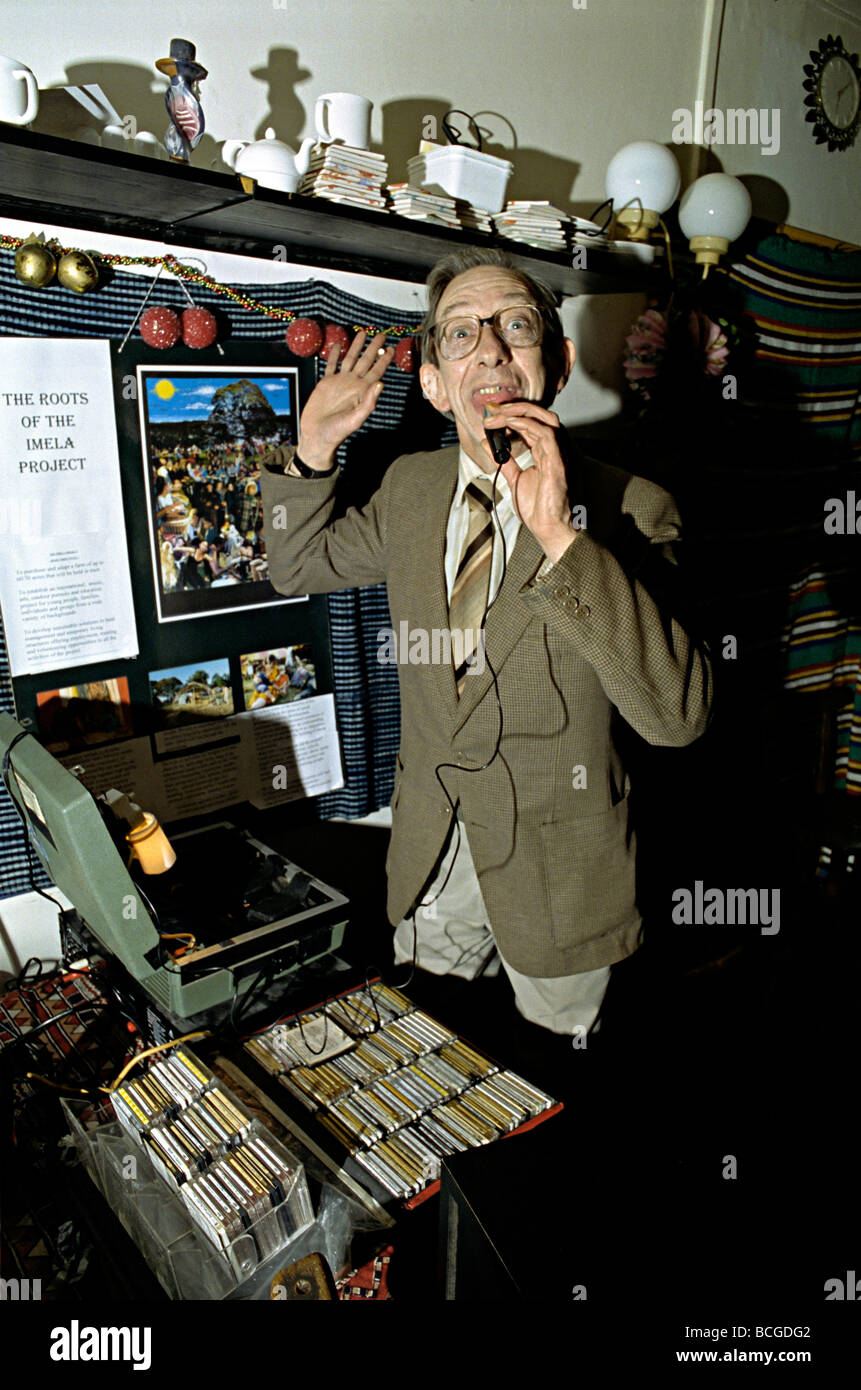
194, 937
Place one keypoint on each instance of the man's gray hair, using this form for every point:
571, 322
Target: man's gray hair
470, 258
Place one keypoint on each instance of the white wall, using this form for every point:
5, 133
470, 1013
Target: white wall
576, 78
763, 52
575, 83
29, 927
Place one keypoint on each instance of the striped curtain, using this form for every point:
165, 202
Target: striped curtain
804, 302
823, 654
805, 305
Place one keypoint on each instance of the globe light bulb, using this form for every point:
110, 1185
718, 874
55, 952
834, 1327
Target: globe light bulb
713, 212
643, 180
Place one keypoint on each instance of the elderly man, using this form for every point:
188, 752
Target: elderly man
510, 836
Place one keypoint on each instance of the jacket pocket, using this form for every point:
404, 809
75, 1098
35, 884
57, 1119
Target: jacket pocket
589, 869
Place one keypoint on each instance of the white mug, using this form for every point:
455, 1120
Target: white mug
344, 117
19, 93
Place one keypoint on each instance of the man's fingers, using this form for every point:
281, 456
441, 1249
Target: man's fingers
371, 355
353, 350
382, 361
506, 414
365, 405
332, 361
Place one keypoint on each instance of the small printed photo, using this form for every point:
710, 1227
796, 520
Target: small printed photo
79, 716
186, 694
278, 676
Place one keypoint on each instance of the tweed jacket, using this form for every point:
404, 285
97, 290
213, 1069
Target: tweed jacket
597, 634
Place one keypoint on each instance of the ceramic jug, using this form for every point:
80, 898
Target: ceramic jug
19, 92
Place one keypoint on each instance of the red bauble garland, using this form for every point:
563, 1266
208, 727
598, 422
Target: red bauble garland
199, 328
160, 326
335, 336
407, 354
304, 337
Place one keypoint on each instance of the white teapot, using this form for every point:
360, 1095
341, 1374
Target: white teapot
272, 163
19, 92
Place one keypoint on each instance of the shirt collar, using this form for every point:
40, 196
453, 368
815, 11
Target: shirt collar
468, 470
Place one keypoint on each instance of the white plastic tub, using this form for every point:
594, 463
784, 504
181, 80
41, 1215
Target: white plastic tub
479, 179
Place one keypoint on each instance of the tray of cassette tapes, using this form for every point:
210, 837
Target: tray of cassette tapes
398, 1089
208, 1193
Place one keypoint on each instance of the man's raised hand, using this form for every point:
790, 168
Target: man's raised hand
342, 400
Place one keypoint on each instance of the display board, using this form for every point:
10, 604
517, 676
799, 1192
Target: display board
230, 696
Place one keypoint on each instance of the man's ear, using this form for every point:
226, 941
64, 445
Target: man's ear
569, 354
432, 386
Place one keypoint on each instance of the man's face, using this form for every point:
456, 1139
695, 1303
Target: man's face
494, 373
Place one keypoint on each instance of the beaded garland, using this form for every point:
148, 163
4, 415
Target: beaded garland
197, 277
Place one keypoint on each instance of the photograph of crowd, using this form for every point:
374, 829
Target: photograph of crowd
204, 435
200, 690
277, 677
78, 716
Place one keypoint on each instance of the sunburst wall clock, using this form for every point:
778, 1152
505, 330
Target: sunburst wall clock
833, 86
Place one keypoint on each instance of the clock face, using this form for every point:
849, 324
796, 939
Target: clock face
839, 92
833, 86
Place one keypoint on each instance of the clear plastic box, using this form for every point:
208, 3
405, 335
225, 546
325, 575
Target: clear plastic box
185, 1263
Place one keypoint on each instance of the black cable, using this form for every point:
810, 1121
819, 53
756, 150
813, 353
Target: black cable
456, 766
49, 1022
19, 980
235, 1014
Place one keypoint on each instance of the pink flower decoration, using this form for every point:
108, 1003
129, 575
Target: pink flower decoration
648, 333
710, 341
646, 345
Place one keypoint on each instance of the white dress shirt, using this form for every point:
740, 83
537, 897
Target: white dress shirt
504, 518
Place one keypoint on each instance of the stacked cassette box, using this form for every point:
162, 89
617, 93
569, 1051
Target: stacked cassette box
397, 1088
152, 1098
233, 1177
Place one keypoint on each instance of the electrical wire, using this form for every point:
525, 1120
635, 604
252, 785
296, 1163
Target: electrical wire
457, 766
150, 1052
49, 1022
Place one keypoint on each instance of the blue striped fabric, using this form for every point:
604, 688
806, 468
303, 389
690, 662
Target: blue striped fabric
366, 693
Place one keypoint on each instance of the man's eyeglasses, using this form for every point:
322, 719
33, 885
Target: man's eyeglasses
517, 325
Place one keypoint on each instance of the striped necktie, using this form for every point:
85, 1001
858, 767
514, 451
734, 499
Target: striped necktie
468, 600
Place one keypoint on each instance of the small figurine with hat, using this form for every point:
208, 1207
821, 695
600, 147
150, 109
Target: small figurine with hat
182, 99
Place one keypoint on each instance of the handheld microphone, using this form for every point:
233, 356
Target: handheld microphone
498, 441
499, 446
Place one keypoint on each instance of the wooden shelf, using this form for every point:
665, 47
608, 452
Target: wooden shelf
46, 179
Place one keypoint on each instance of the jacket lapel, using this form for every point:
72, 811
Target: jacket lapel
429, 599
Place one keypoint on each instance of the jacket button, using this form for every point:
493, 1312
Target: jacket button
562, 592
584, 610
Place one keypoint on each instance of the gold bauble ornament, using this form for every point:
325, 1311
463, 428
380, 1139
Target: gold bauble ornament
78, 271
34, 263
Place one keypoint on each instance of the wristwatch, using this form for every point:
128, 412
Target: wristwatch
303, 470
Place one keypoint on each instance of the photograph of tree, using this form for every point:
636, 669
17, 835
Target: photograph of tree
185, 694
204, 436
